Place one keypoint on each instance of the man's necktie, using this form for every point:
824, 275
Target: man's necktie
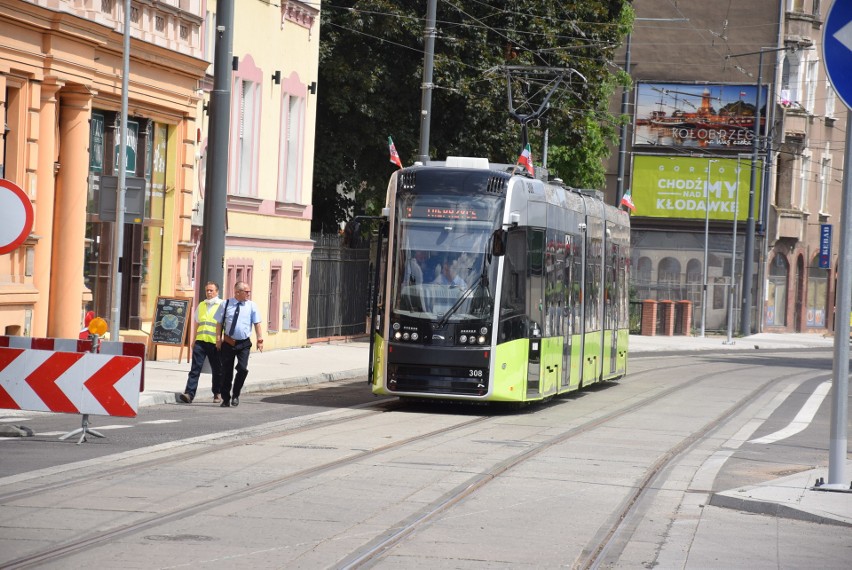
234, 321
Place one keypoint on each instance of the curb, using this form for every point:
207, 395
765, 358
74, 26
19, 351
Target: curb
156, 397
726, 500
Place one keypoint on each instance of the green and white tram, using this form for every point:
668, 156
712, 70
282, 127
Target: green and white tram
497, 287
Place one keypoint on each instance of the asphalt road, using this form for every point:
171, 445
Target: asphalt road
161, 424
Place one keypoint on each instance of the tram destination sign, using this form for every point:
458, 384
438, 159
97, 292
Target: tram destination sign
435, 212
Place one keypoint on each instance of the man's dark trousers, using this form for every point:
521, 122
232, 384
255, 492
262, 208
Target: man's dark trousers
200, 351
239, 352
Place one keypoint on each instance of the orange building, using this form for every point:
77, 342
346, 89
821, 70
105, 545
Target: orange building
60, 98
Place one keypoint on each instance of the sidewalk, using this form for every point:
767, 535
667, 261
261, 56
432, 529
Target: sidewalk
789, 497
345, 360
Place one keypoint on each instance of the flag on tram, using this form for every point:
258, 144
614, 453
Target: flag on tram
627, 201
394, 156
526, 159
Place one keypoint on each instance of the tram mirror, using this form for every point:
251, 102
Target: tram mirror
352, 233
498, 242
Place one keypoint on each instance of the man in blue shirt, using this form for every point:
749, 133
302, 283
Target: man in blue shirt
234, 321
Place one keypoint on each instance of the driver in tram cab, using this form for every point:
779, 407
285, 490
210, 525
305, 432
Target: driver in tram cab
449, 276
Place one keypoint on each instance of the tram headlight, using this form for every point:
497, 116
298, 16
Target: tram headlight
404, 336
483, 330
471, 340
463, 339
414, 336
397, 335
396, 326
481, 339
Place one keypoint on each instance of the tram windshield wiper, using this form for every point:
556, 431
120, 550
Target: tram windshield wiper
467, 293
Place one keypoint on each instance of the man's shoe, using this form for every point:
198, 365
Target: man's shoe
225, 404
185, 398
235, 402
217, 398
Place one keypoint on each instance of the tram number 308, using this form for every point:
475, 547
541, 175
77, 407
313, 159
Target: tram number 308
473, 373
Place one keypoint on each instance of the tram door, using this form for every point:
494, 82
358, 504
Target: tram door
534, 309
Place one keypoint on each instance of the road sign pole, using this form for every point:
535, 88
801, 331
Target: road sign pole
840, 371
837, 58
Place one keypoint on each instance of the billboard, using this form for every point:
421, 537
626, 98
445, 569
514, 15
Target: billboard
709, 116
673, 187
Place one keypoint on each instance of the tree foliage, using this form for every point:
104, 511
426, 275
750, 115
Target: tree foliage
370, 76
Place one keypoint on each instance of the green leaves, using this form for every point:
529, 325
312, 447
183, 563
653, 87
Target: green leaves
370, 73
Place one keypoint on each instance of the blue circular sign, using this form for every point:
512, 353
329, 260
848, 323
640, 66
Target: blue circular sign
837, 48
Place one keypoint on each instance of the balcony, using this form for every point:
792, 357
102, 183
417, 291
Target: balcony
790, 224
171, 24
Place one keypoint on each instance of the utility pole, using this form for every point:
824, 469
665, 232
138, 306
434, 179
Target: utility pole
429, 33
118, 234
218, 133
622, 144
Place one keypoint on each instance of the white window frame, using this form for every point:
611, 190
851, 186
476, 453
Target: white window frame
824, 178
811, 79
804, 179
246, 111
291, 148
830, 99
791, 77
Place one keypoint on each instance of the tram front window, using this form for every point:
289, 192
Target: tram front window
443, 272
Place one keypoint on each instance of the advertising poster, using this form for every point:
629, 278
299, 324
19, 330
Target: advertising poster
673, 187
709, 116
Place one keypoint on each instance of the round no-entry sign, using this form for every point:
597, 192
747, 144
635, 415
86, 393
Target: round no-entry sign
16, 216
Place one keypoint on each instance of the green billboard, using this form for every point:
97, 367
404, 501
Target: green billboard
674, 187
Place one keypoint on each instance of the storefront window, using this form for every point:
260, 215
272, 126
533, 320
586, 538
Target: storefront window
776, 303
817, 297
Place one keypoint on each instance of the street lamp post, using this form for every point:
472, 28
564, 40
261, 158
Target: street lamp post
731, 292
748, 254
706, 243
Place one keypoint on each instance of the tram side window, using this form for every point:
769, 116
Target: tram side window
554, 295
512, 305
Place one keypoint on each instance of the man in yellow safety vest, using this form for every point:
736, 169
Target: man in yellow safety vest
205, 345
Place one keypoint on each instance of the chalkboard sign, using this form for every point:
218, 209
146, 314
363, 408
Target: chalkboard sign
170, 320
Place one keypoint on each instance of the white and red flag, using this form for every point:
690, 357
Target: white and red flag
394, 156
627, 202
526, 160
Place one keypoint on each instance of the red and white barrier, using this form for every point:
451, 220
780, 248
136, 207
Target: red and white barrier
137, 349
69, 382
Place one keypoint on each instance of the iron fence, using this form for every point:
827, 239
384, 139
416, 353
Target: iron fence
339, 296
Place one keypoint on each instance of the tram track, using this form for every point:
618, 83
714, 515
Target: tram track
594, 553
610, 541
385, 542
69, 548
214, 443
380, 547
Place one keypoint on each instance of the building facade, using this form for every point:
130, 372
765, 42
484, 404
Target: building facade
61, 65
693, 157
270, 164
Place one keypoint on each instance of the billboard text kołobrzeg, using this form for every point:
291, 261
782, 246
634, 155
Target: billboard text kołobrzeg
673, 187
709, 116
